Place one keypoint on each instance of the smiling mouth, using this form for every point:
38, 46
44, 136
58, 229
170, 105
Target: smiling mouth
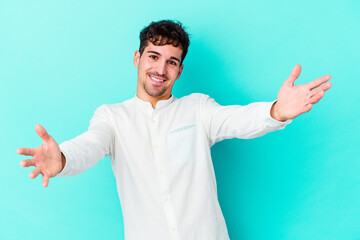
156, 80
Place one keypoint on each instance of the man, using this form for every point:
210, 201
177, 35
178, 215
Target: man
160, 145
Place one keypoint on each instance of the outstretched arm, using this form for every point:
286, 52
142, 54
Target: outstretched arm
74, 156
295, 100
47, 158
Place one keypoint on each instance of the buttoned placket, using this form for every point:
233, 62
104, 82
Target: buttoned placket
162, 173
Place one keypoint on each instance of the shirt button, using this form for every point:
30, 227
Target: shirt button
153, 121
162, 172
173, 229
166, 199
156, 146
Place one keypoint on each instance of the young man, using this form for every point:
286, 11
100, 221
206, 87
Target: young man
160, 145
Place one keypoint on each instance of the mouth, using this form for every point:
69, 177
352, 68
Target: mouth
157, 80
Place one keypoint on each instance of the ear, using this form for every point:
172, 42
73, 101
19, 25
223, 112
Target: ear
180, 71
136, 58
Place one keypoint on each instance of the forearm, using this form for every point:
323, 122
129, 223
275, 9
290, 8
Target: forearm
81, 153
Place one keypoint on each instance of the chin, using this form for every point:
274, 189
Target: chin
155, 93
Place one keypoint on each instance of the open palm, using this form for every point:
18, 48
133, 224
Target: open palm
47, 158
294, 100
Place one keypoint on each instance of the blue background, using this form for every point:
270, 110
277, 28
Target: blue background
60, 60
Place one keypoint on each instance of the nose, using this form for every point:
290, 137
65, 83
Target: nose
161, 67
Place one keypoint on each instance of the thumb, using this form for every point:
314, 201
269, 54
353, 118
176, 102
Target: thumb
40, 130
294, 74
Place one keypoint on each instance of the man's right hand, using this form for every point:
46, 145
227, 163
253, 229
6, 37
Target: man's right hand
47, 158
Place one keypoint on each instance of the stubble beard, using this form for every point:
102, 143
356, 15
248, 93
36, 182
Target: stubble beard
154, 91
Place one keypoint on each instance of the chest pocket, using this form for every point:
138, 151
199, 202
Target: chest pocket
182, 143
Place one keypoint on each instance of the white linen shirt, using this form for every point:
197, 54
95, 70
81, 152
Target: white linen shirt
162, 161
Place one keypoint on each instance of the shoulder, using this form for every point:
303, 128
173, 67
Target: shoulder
194, 98
199, 100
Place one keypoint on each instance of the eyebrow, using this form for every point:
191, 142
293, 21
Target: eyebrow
157, 53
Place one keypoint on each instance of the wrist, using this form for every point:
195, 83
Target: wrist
63, 161
274, 113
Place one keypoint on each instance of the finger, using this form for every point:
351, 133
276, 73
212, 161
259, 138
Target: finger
308, 107
322, 88
40, 130
317, 82
26, 151
34, 173
27, 163
45, 181
294, 74
317, 97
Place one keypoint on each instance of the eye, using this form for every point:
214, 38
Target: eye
172, 63
153, 57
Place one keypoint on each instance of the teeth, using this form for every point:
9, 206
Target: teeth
156, 79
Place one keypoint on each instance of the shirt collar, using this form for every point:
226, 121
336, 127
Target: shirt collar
159, 104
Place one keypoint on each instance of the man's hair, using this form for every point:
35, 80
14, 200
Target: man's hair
165, 32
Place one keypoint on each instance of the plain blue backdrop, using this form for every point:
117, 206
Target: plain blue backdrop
60, 60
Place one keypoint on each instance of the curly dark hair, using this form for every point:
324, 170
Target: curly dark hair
165, 32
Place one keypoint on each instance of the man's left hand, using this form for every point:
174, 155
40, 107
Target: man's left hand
295, 100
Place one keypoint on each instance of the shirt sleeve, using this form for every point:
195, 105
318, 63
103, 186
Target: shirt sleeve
236, 121
87, 149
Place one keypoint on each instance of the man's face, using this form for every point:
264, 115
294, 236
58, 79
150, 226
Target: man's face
158, 68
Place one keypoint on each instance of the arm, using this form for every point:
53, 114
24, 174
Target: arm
236, 121
257, 119
87, 149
